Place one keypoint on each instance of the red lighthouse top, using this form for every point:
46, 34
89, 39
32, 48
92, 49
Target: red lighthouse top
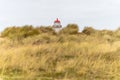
57, 21
57, 24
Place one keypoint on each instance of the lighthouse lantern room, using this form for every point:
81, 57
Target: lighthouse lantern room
57, 25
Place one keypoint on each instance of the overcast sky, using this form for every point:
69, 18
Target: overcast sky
101, 14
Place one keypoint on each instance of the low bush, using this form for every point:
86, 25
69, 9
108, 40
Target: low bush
44, 29
70, 29
88, 30
18, 33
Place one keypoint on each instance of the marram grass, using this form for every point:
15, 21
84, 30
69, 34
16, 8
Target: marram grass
63, 57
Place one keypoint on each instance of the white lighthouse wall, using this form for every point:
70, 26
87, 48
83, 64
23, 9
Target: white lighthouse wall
57, 29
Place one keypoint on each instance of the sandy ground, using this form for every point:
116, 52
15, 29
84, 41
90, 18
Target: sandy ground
1, 39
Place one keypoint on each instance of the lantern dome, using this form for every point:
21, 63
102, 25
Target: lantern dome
57, 21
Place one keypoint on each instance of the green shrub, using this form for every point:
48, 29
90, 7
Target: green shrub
117, 33
107, 32
44, 29
88, 30
70, 29
27, 31
17, 33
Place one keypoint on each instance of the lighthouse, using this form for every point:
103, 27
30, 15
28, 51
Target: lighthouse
57, 25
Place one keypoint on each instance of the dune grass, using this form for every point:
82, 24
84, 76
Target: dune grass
63, 57
42, 54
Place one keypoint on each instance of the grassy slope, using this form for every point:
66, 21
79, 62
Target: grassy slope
65, 57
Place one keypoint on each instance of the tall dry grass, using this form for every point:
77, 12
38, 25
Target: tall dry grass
60, 57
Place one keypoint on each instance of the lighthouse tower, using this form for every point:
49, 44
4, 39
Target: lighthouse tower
57, 25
